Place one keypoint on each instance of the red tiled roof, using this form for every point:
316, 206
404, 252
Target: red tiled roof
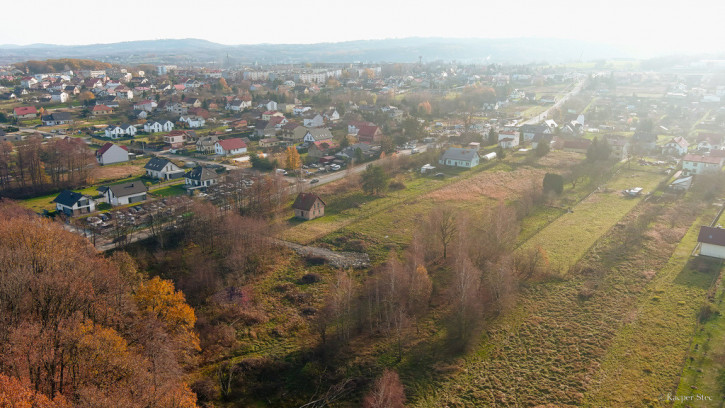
25, 110
99, 108
232, 144
107, 146
367, 131
701, 159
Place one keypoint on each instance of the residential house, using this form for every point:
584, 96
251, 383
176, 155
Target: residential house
206, 144
366, 152
110, 153
267, 115
308, 206
125, 193
354, 126
239, 104
175, 138
712, 242
147, 105
321, 148
677, 146
153, 126
269, 142
59, 97
709, 141
268, 105
619, 146
297, 135
192, 102
699, 164
332, 115
101, 110
230, 147
115, 132
508, 139
177, 108
314, 121
529, 131
25, 112
460, 157
57, 118
193, 121
200, 177
317, 134
71, 203
162, 169
369, 134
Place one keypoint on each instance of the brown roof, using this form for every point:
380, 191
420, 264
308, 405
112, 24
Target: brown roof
25, 110
107, 146
701, 159
232, 144
367, 130
305, 201
710, 235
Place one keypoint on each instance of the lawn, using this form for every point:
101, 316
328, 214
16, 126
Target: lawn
38, 204
175, 190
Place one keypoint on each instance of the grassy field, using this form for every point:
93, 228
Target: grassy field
702, 374
550, 349
174, 190
570, 236
648, 351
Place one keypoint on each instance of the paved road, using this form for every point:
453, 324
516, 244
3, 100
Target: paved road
545, 114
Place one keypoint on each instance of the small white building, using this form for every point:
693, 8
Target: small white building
193, 121
163, 169
71, 203
158, 126
125, 193
230, 147
712, 242
111, 153
118, 131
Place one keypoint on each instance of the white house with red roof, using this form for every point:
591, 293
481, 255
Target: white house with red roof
677, 146
25, 112
700, 164
230, 147
354, 126
110, 153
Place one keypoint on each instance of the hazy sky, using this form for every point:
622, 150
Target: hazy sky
644, 25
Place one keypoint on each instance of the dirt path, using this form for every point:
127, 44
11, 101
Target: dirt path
335, 259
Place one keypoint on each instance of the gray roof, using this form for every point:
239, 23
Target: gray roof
156, 163
320, 134
457, 153
57, 116
207, 140
68, 198
127, 189
200, 173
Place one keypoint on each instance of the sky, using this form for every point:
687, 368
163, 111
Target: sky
640, 25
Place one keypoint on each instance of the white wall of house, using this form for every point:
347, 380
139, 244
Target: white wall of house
133, 198
82, 206
716, 251
113, 155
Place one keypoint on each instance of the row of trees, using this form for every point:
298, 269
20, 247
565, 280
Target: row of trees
32, 166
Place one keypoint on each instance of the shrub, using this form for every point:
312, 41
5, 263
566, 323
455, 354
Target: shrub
707, 312
397, 185
310, 278
103, 206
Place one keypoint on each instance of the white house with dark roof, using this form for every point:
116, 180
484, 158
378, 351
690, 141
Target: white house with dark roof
162, 169
308, 206
460, 157
118, 131
154, 126
712, 242
71, 203
200, 177
125, 193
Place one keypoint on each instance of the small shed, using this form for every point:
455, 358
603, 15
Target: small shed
426, 168
489, 156
308, 206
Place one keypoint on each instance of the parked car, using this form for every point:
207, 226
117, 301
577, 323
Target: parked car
313, 181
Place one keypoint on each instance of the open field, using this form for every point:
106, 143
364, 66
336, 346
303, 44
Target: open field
570, 236
100, 174
549, 350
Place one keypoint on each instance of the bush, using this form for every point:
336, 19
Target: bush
397, 185
103, 206
554, 183
707, 312
310, 278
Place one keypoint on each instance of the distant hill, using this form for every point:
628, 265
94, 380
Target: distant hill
512, 50
57, 65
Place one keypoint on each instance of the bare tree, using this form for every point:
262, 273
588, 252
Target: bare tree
443, 225
387, 392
